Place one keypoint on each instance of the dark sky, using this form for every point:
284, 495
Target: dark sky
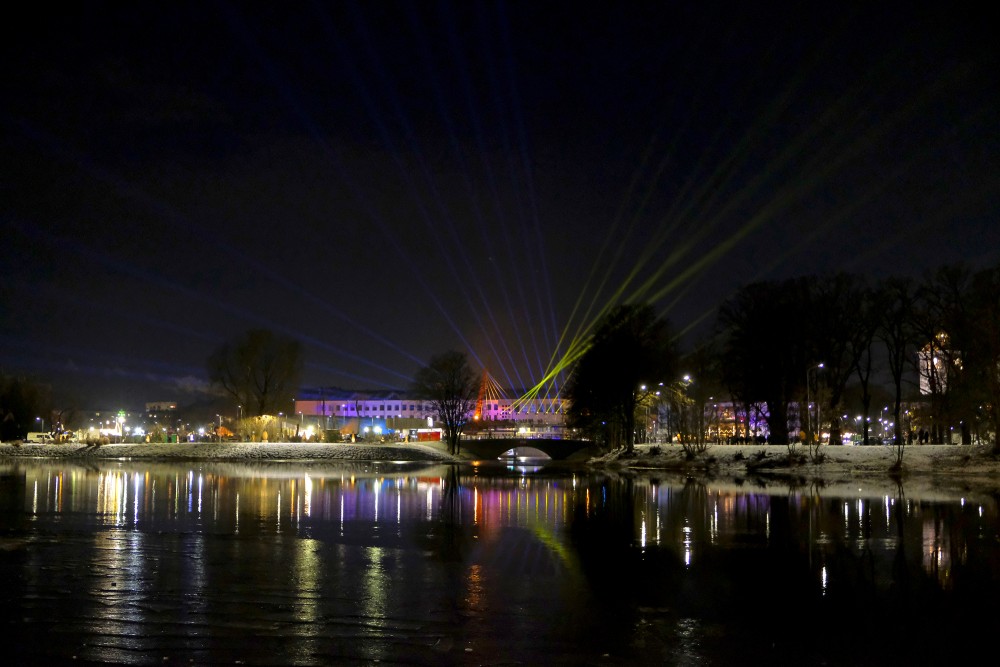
386, 181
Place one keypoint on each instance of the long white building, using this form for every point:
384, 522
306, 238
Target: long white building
339, 404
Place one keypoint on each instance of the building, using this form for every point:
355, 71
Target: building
937, 360
390, 410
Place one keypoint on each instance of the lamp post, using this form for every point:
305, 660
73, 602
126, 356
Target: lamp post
714, 422
819, 422
656, 419
809, 374
645, 415
683, 432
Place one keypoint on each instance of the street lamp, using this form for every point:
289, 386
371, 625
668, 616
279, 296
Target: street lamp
680, 389
42, 428
645, 414
656, 419
809, 374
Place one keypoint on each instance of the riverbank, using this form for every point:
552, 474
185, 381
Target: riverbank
234, 451
926, 468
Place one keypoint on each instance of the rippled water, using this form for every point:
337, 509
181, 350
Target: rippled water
165, 563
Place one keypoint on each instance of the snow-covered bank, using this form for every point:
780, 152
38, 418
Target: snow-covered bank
936, 459
956, 459
233, 451
928, 470
931, 472
925, 467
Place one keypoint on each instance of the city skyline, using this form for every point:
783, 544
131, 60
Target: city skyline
385, 181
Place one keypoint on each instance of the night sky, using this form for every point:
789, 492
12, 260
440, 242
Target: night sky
386, 181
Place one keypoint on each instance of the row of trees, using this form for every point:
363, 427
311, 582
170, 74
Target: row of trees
940, 333
807, 340
24, 406
778, 347
260, 370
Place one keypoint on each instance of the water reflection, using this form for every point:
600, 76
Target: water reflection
430, 564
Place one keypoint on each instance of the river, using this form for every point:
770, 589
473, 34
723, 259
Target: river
139, 562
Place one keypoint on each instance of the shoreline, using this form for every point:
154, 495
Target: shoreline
232, 451
929, 472
955, 459
927, 469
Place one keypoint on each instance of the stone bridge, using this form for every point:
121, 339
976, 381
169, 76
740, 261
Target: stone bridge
558, 450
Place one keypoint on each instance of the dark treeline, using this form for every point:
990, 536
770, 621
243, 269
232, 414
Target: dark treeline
928, 348
933, 343
25, 406
795, 356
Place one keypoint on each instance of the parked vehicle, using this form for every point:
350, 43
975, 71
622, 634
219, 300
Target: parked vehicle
44, 438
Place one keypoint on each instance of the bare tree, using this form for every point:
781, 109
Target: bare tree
945, 330
984, 350
22, 402
764, 360
629, 355
452, 387
698, 391
259, 369
838, 299
861, 340
897, 334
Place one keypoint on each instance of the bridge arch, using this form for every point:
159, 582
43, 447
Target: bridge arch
557, 450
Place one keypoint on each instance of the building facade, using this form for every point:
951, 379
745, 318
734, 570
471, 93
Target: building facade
335, 408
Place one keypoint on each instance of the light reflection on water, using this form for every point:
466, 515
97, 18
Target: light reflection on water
424, 564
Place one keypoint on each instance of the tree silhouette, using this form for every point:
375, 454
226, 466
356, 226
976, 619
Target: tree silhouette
451, 386
21, 402
259, 369
984, 349
897, 334
630, 348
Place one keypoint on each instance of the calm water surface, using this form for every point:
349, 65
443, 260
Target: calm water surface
169, 563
